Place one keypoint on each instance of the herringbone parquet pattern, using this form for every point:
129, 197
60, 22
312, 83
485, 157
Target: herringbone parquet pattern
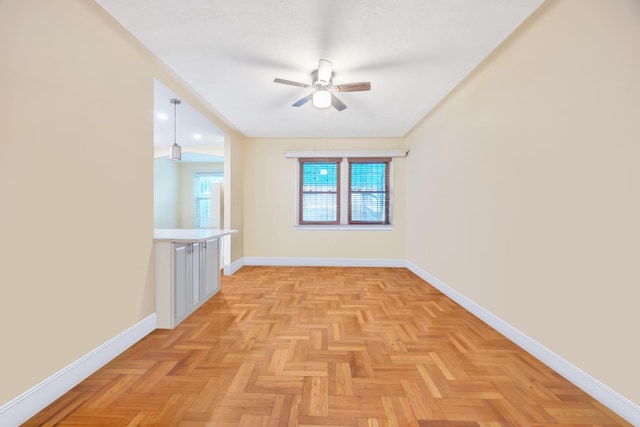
319, 346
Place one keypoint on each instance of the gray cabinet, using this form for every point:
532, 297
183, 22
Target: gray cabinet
210, 271
187, 274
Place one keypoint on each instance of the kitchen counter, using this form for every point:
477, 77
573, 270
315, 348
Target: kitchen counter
189, 234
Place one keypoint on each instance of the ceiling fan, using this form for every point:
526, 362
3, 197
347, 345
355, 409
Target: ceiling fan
323, 87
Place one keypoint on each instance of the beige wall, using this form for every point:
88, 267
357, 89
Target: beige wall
234, 171
165, 193
76, 220
522, 186
270, 207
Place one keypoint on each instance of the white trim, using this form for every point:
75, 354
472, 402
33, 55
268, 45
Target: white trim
324, 262
29, 403
608, 397
322, 154
343, 215
229, 269
345, 227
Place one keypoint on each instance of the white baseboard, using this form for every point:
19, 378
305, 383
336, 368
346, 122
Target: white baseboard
229, 269
324, 262
608, 397
29, 403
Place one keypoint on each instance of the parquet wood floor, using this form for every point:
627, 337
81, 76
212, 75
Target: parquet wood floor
321, 346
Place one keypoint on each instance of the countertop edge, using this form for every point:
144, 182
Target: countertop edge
188, 234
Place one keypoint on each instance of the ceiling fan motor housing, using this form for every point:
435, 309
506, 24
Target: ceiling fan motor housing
318, 83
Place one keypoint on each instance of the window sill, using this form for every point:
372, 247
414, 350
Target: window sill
346, 227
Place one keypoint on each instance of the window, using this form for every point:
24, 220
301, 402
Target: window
344, 191
319, 191
369, 191
202, 190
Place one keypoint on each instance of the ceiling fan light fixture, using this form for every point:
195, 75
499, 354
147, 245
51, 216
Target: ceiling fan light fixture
321, 99
175, 151
325, 70
322, 84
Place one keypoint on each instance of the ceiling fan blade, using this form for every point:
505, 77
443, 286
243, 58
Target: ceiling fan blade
290, 83
303, 100
337, 104
354, 87
325, 70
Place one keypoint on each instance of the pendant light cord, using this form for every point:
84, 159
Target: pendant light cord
175, 103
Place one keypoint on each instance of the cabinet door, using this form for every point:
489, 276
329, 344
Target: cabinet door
210, 281
181, 280
215, 256
194, 289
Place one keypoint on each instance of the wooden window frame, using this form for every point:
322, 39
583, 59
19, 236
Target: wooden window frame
301, 192
386, 191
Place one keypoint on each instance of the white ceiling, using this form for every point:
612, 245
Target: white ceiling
192, 129
414, 52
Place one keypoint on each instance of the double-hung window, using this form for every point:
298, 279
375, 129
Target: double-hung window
344, 191
202, 192
319, 191
369, 191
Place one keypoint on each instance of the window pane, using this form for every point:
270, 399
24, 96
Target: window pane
319, 196
368, 207
320, 207
202, 186
204, 213
368, 195
319, 177
368, 176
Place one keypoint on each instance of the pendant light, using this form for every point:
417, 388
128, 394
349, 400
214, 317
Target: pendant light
175, 151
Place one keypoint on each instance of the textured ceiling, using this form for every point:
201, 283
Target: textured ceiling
414, 52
